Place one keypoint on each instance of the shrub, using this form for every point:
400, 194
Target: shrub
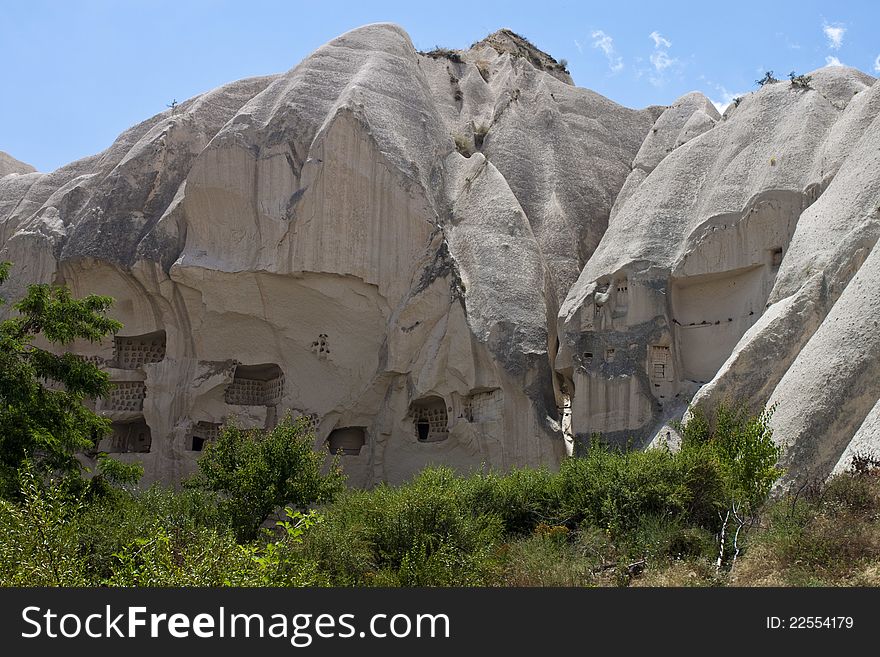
616, 490
463, 145
522, 499
800, 81
38, 536
742, 445
424, 533
767, 79
446, 53
256, 472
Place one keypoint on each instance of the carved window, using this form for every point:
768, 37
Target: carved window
130, 437
347, 441
776, 256
132, 352
482, 406
256, 385
430, 421
660, 360
204, 433
321, 346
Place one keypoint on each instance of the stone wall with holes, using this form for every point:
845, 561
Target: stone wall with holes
132, 352
201, 434
254, 392
430, 420
126, 396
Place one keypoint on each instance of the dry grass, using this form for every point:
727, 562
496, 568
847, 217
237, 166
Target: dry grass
831, 538
463, 145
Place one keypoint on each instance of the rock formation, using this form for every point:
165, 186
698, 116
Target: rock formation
740, 267
9, 164
434, 256
315, 243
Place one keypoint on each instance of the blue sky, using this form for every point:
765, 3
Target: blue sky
76, 73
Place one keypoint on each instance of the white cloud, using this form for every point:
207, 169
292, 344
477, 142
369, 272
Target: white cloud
579, 46
659, 40
834, 33
660, 59
877, 64
726, 98
605, 43
830, 60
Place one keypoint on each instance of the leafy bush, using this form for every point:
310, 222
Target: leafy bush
256, 472
742, 446
521, 499
422, 534
38, 536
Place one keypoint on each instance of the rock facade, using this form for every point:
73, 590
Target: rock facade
738, 269
460, 257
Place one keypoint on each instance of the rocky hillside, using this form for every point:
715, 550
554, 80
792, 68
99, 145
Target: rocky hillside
461, 257
9, 164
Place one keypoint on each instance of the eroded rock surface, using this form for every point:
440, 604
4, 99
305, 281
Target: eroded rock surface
460, 257
9, 164
740, 267
376, 239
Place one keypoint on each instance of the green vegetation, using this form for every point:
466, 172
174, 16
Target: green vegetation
43, 422
767, 79
800, 81
439, 52
463, 145
822, 534
255, 472
696, 516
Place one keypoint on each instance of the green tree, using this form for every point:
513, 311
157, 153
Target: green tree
42, 417
742, 446
256, 472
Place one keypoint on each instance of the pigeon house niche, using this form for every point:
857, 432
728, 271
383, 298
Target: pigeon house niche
134, 351
256, 385
127, 396
430, 421
203, 433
